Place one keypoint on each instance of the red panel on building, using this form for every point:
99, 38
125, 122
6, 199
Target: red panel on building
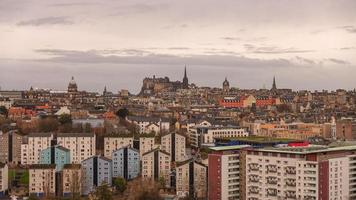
214, 177
324, 180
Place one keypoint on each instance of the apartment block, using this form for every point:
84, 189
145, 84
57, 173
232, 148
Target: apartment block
4, 179
72, 180
156, 164
146, 144
224, 172
306, 172
10, 148
32, 146
174, 144
42, 180
113, 143
191, 179
126, 163
81, 145
97, 170
57, 155
205, 135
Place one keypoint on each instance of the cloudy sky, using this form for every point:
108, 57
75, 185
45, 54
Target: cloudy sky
305, 44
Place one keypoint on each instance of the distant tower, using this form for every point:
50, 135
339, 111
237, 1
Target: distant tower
185, 84
226, 86
274, 86
105, 91
72, 86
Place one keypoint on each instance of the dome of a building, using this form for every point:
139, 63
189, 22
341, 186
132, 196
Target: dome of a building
72, 86
226, 82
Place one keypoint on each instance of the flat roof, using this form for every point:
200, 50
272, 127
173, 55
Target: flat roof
226, 148
308, 149
260, 139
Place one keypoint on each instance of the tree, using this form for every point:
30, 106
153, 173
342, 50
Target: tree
48, 125
65, 119
122, 113
32, 197
103, 192
120, 184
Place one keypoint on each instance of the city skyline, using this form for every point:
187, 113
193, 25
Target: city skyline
305, 44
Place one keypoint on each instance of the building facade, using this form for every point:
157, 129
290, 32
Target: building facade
126, 163
80, 145
57, 155
10, 148
174, 144
72, 180
97, 170
113, 143
33, 145
156, 165
42, 180
4, 179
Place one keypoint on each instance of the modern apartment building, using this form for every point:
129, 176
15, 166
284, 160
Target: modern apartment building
205, 135
224, 172
146, 144
57, 155
10, 148
97, 170
113, 143
156, 164
126, 163
32, 146
80, 145
42, 180
306, 172
72, 180
4, 179
174, 144
191, 179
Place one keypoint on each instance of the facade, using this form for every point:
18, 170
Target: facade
146, 144
226, 86
57, 155
205, 135
191, 179
310, 172
42, 180
156, 164
224, 172
4, 179
150, 124
10, 148
80, 145
71, 180
113, 143
346, 129
126, 163
174, 144
97, 170
33, 145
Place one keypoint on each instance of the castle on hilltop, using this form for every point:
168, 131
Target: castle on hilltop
156, 85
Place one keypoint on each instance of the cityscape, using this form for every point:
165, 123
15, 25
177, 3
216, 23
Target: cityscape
178, 100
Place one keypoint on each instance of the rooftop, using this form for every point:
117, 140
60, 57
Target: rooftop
262, 140
309, 149
227, 148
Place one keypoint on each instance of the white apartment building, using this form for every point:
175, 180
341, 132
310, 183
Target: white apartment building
113, 143
147, 144
156, 164
81, 145
205, 135
32, 147
150, 124
174, 144
310, 172
4, 179
42, 179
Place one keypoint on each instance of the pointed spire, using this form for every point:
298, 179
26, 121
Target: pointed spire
185, 71
274, 86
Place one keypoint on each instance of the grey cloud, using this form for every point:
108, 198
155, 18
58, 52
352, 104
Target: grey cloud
46, 21
273, 50
94, 56
305, 60
348, 48
231, 38
73, 4
338, 61
350, 29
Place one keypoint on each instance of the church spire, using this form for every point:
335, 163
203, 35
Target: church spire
274, 86
185, 84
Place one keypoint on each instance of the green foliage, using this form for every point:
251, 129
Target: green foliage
65, 119
149, 195
162, 182
120, 184
33, 197
122, 113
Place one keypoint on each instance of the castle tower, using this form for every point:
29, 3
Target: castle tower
185, 84
226, 86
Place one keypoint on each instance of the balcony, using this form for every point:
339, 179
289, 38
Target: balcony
271, 168
290, 182
254, 167
272, 180
271, 192
254, 190
290, 195
290, 170
254, 178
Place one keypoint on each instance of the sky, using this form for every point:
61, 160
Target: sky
116, 43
